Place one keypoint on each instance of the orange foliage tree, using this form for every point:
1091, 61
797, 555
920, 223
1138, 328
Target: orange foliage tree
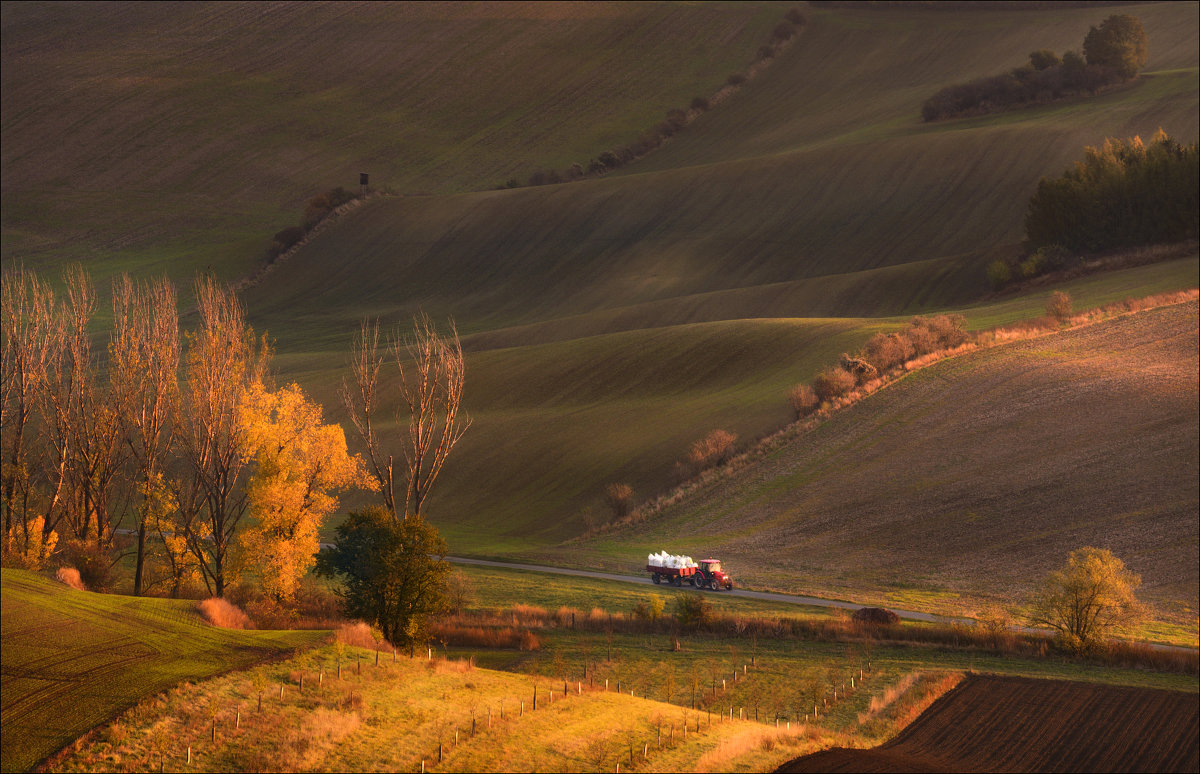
299, 463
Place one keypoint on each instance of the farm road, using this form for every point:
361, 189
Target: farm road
793, 599
767, 595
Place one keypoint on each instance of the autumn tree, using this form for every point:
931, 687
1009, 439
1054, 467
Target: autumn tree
28, 335
224, 359
428, 382
144, 355
1119, 42
394, 572
299, 463
1087, 599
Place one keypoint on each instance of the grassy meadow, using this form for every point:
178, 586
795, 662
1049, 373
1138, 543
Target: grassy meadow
74, 659
347, 707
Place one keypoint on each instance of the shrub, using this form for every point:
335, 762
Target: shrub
716, 448
875, 615
833, 383
1059, 306
1043, 59
70, 576
93, 564
796, 16
784, 30
859, 368
649, 609
735, 79
998, 273
950, 330
692, 610
225, 614
700, 103
887, 350
315, 211
619, 498
803, 399
1030, 267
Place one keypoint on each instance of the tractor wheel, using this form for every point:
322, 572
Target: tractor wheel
715, 585
656, 578
697, 581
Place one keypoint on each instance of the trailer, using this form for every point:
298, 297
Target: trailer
676, 576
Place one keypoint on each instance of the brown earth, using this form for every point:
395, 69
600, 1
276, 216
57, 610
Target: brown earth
991, 723
963, 484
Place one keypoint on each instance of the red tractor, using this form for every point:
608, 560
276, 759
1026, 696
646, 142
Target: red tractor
709, 575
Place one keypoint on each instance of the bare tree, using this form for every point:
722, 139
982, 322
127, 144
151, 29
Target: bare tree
430, 375
223, 359
29, 334
145, 364
84, 458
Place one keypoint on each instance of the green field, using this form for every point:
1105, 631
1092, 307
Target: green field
73, 659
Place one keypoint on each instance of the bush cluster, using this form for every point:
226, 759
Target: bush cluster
316, 209
882, 353
674, 122
714, 449
1113, 52
1125, 193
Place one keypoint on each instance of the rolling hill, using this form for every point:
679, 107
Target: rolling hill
609, 322
153, 138
966, 482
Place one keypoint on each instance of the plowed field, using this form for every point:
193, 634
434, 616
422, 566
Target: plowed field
1019, 724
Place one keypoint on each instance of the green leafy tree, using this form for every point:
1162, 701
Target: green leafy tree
394, 572
1119, 42
1087, 599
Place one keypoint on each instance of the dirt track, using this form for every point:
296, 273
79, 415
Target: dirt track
1017, 724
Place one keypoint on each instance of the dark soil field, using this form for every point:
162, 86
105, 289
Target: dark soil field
1018, 724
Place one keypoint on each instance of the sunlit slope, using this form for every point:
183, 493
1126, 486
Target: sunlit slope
181, 137
74, 659
559, 413
969, 480
767, 189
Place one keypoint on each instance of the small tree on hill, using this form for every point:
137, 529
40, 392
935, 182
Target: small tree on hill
394, 572
1119, 42
619, 498
1087, 599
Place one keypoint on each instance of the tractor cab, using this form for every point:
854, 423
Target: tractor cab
710, 575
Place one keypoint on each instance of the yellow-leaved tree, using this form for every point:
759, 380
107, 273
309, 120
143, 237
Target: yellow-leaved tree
299, 463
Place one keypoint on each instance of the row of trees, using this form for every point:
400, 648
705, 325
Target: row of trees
675, 121
316, 209
882, 353
182, 439
1112, 53
178, 437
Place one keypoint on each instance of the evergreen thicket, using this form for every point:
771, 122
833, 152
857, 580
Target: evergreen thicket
1124, 193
